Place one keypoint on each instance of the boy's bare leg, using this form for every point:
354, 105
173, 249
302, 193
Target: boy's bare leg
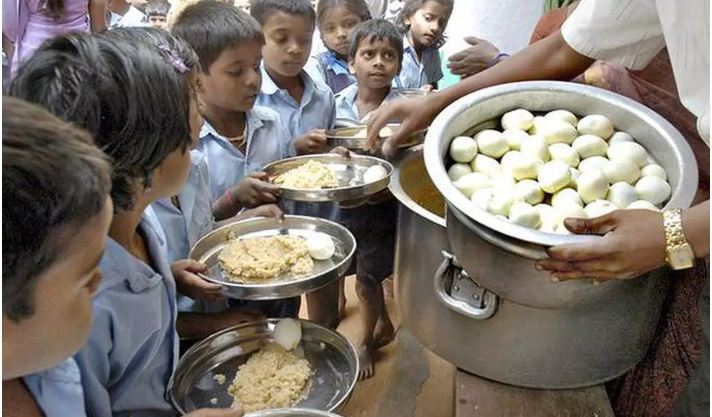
371, 298
323, 305
384, 332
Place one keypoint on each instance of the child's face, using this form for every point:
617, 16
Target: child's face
375, 63
234, 79
336, 29
288, 41
158, 22
62, 316
428, 23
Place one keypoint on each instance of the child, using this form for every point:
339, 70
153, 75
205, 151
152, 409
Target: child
375, 56
55, 215
48, 279
237, 139
132, 347
306, 105
157, 10
336, 19
423, 23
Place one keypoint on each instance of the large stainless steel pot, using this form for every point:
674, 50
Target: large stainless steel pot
500, 255
497, 338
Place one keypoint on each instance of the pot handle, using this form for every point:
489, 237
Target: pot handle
444, 279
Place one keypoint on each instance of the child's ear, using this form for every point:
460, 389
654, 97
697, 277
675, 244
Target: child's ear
352, 69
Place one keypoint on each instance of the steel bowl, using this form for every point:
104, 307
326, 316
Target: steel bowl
354, 137
332, 357
500, 255
207, 249
349, 173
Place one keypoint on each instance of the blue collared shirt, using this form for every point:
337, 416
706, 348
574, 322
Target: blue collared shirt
58, 390
268, 140
316, 110
132, 348
346, 107
334, 71
417, 73
184, 226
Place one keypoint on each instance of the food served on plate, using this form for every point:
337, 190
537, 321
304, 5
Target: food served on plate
311, 175
544, 168
260, 259
275, 376
264, 258
320, 246
374, 173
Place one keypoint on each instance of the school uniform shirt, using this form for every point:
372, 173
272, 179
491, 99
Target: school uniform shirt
132, 18
132, 348
185, 224
415, 72
346, 103
315, 111
193, 219
334, 71
632, 32
268, 140
58, 390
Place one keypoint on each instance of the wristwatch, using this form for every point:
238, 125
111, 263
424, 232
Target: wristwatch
679, 254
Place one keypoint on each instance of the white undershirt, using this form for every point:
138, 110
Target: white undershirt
632, 32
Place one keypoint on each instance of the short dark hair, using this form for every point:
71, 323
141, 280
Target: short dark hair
412, 6
375, 30
53, 181
128, 87
157, 8
263, 9
357, 7
211, 26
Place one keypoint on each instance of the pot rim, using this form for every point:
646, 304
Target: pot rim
397, 189
682, 195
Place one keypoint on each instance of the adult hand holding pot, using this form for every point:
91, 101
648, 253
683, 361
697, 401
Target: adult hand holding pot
633, 243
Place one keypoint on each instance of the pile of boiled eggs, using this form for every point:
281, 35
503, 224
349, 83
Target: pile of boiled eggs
542, 169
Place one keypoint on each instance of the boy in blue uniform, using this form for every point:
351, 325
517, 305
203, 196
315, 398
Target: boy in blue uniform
375, 56
237, 138
306, 105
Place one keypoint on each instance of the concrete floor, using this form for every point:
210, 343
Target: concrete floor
409, 380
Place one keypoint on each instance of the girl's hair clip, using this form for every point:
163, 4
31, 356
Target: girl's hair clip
173, 58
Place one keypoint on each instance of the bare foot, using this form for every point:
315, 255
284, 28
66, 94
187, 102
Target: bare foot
365, 361
384, 332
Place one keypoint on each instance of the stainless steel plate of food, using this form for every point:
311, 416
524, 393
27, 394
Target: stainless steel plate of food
329, 177
354, 137
266, 259
227, 368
